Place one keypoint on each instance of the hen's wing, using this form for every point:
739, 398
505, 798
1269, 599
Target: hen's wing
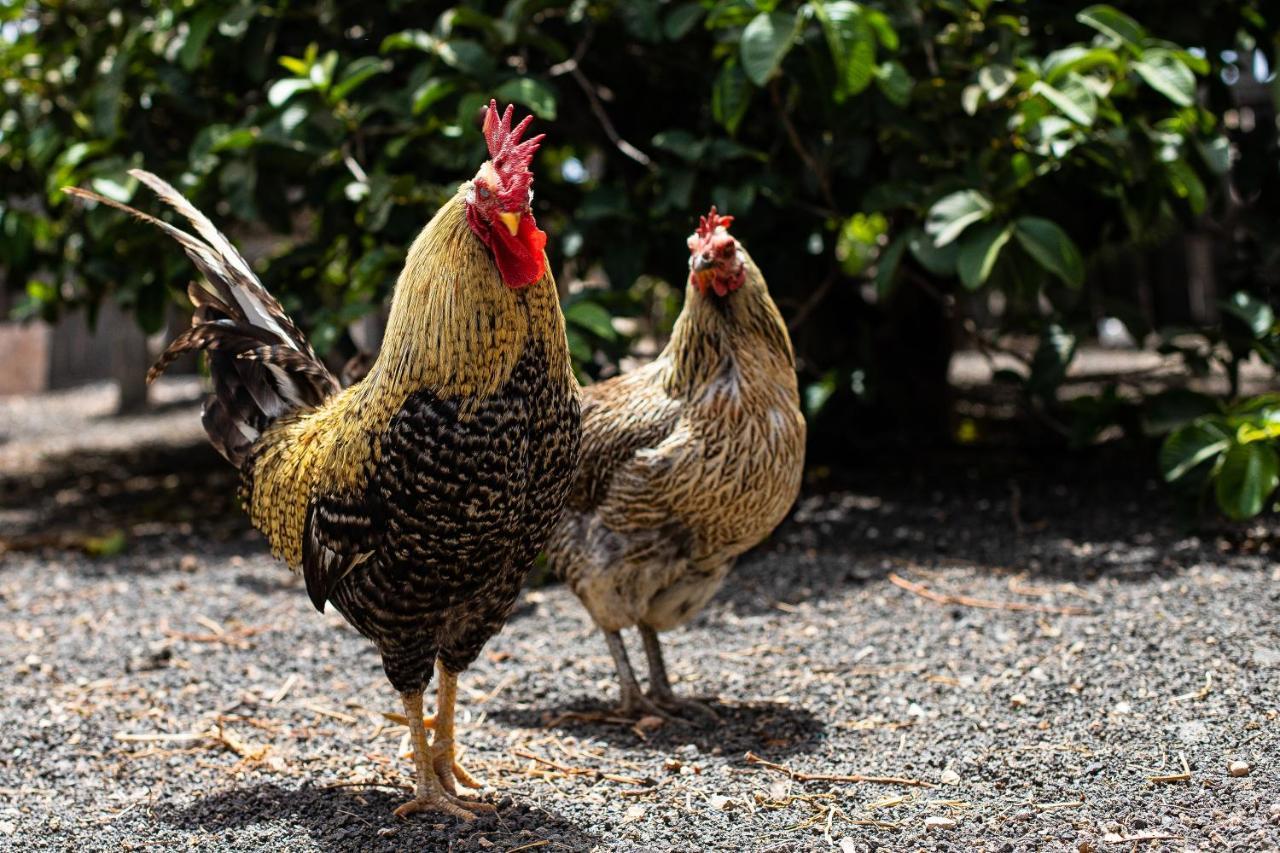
620, 417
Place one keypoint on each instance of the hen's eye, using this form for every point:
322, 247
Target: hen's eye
484, 193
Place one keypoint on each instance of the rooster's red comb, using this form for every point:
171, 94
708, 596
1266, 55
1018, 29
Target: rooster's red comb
510, 156
708, 224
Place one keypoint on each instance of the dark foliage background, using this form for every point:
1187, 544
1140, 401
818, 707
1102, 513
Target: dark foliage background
892, 166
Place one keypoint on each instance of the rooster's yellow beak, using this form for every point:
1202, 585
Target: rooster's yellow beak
511, 220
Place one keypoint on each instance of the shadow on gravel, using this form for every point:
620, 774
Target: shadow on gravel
86, 495
348, 819
759, 726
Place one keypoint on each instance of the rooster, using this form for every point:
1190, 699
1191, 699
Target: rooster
416, 500
687, 462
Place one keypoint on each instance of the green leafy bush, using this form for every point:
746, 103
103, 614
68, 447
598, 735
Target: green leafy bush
884, 160
1231, 449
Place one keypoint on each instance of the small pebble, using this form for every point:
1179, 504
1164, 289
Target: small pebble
1239, 768
949, 777
1017, 700
937, 823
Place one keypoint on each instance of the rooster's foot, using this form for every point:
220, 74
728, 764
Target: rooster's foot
439, 801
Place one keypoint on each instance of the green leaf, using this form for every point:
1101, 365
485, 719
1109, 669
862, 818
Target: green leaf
765, 43
532, 93
979, 249
1187, 447
1165, 73
885, 33
682, 143
469, 57
283, 90
1113, 24
1077, 58
1074, 99
107, 545
818, 393
894, 82
431, 91
591, 316
996, 80
119, 189
887, 265
951, 214
1051, 359
730, 96
1051, 247
939, 260
356, 73
409, 40
1256, 314
197, 34
1187, 184
1216, 153
1248, 476
681, 20
852, 44
1174, 409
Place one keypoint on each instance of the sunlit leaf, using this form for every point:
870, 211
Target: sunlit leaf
951, 214
1247, 478
765, 42
532, 93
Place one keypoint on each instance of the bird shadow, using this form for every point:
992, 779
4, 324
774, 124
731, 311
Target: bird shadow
760, 725
350, 819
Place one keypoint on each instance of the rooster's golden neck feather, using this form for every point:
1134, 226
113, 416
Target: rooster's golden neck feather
455, 328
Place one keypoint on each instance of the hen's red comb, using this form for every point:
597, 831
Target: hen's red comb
707, 224
510, 156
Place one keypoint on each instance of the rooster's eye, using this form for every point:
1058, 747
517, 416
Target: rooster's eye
484, 193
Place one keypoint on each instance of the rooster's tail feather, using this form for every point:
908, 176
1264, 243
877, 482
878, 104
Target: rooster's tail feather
262, 366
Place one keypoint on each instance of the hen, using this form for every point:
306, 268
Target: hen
687, 462
416, 500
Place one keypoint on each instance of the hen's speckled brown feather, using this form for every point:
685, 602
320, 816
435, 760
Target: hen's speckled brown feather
686, 463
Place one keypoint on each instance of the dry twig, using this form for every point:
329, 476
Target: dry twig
986, 603
1184, 776
591, 772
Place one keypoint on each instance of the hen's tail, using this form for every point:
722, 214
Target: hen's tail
262, 367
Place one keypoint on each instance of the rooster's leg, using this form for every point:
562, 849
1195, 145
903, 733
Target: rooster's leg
429, 794
660, 685
634, 703
443, 747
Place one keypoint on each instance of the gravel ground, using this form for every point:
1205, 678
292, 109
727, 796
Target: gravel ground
171, 687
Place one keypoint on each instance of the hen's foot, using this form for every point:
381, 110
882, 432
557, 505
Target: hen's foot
636, 705
452, 774
687, 710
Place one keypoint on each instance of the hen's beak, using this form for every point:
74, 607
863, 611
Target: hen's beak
703, 262
511, 220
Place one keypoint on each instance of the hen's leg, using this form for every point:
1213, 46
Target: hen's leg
429, 795
634, 703
660, 685
443, 747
